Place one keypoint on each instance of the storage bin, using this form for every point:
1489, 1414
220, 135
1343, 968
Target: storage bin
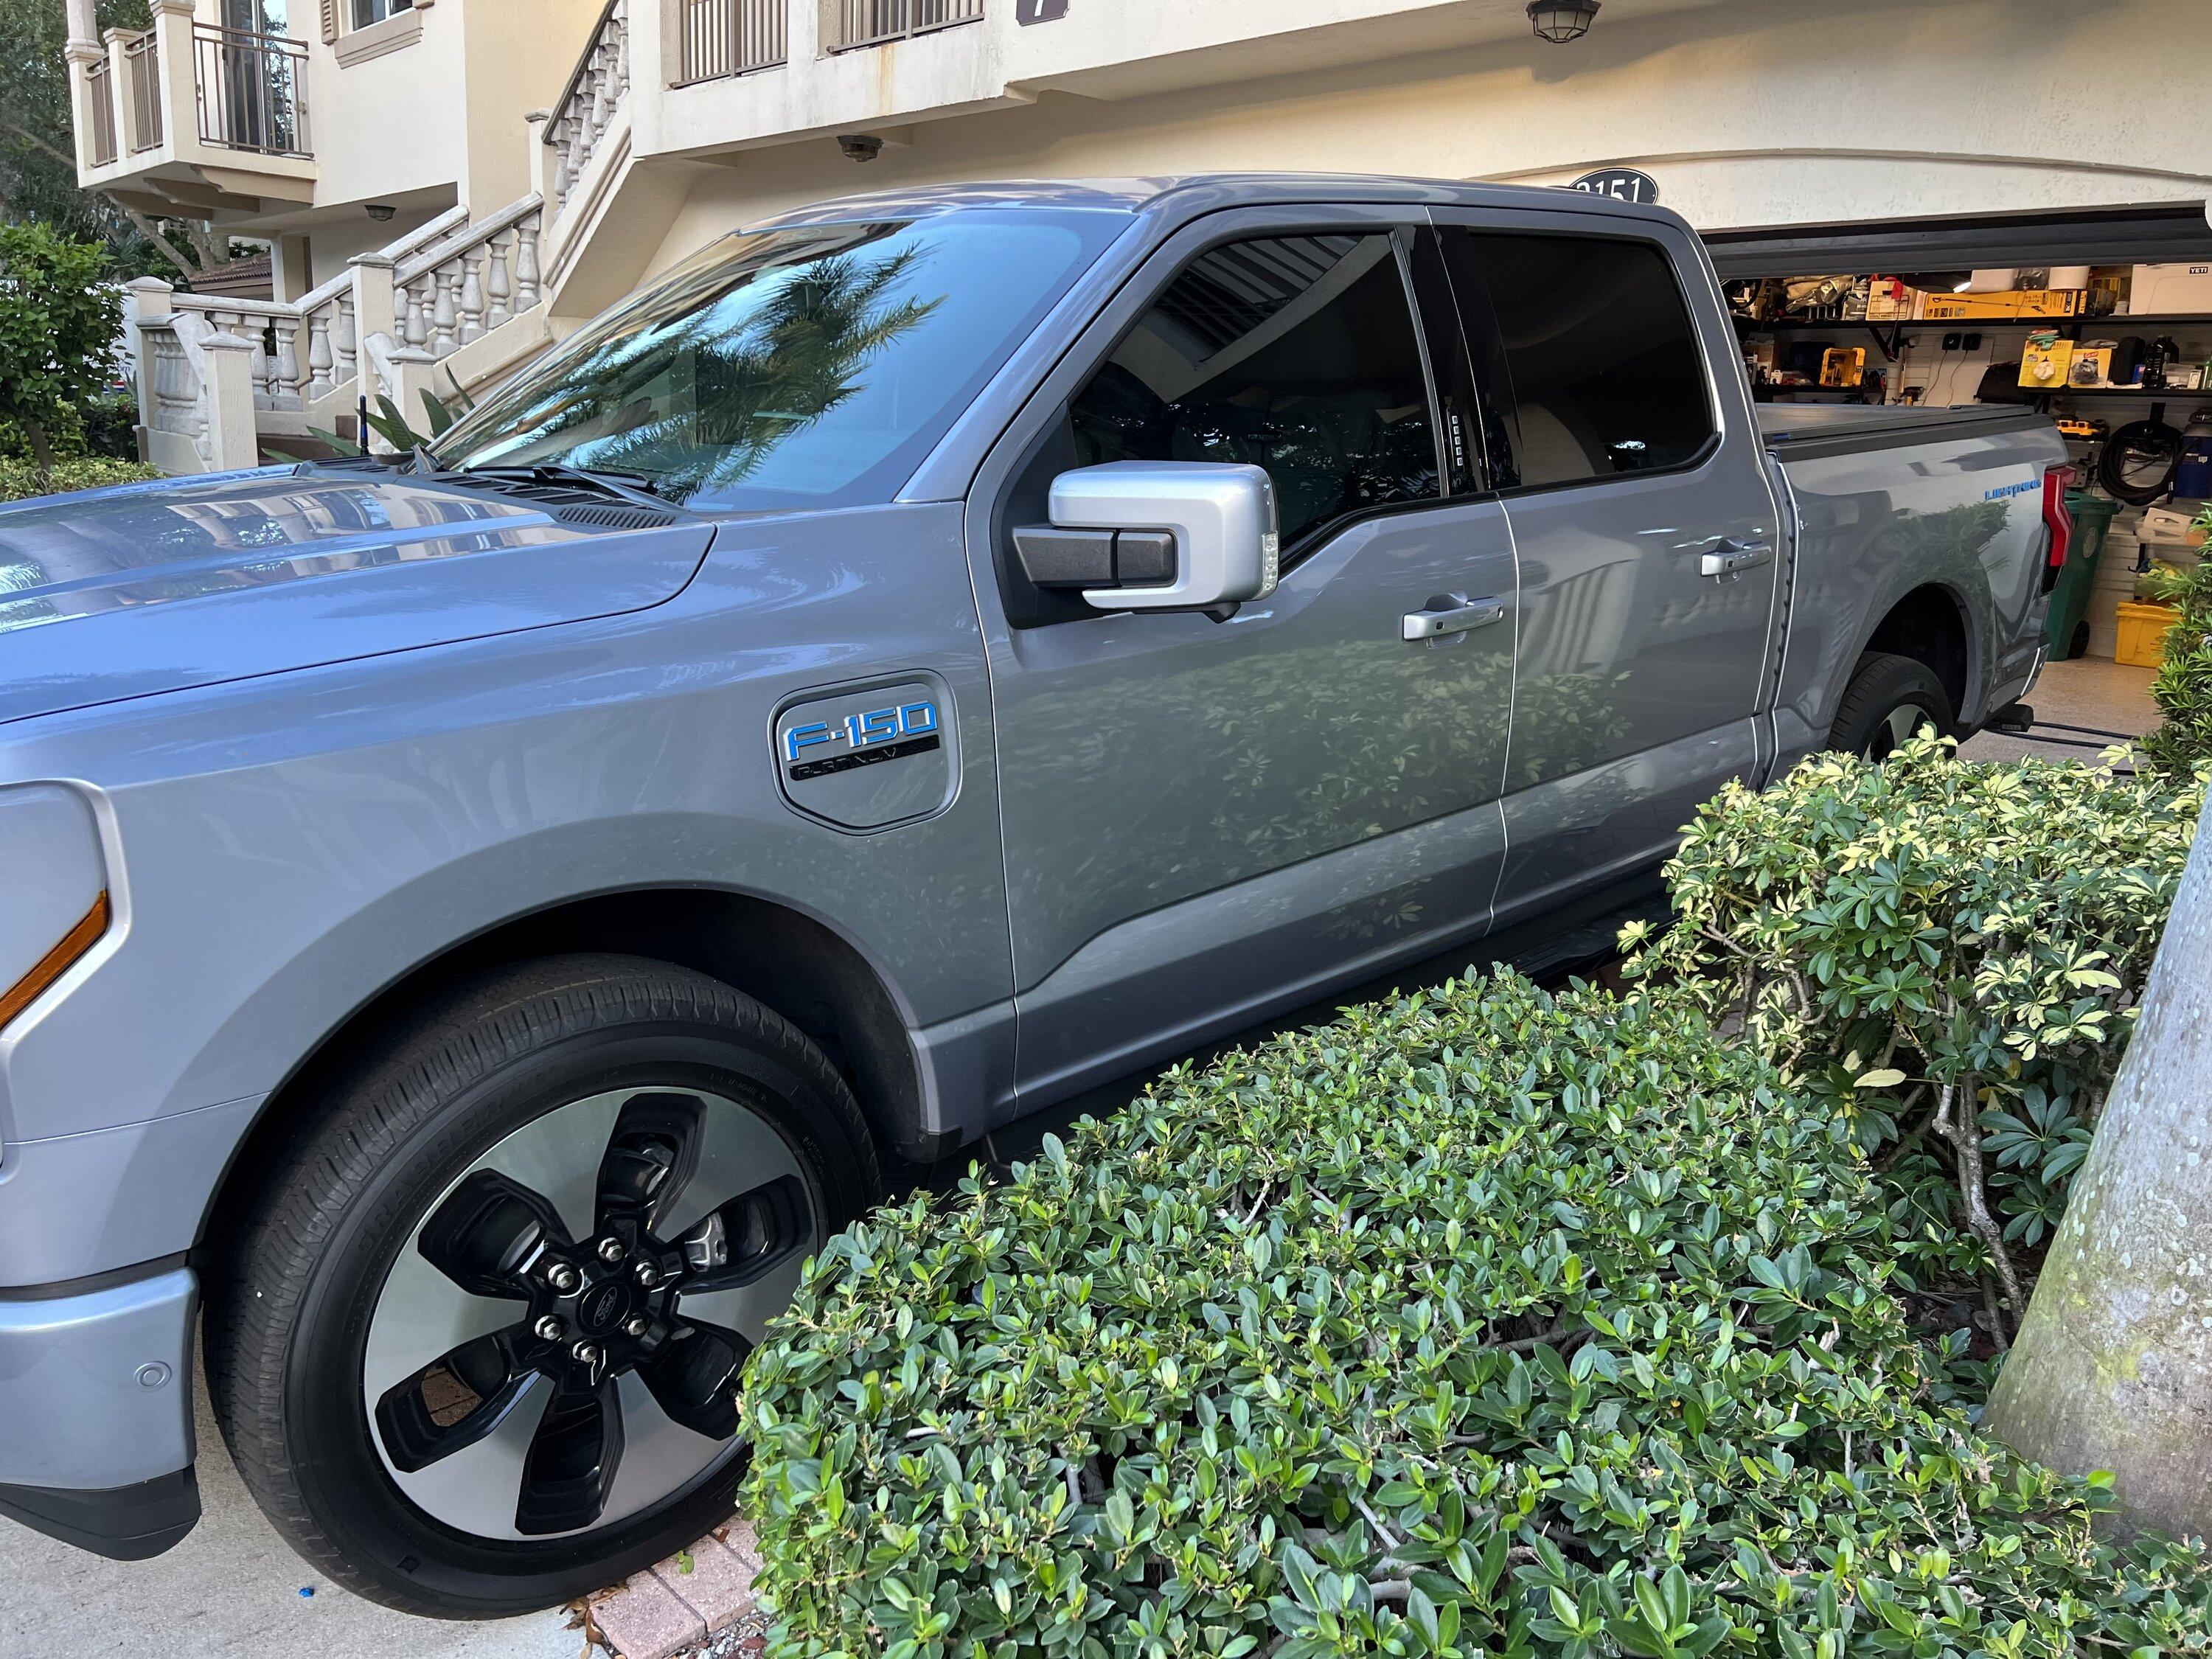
2142, 633
2066, 626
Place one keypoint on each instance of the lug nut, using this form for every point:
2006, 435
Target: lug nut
563, 1277
647, 1274
637, 1325
587, 1353
550, 1329
611, 1250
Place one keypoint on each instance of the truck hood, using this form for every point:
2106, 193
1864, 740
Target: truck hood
122, 592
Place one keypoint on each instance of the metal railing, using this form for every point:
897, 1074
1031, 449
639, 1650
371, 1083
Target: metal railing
141, 91
732, 37
872, 22
252, 90
99, 108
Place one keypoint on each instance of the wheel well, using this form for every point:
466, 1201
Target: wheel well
790, 963
1928, 626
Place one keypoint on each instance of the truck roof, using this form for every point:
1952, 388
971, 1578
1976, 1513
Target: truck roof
1188, 194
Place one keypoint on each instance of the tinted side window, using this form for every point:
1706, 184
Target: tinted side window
1293, 353
1601, 367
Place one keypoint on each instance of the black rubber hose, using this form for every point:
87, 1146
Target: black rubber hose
2144, 440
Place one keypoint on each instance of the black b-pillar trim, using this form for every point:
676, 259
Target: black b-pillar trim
124, 1524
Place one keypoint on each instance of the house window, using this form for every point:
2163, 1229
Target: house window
365, 12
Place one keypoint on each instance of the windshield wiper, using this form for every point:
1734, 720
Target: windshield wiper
547, 473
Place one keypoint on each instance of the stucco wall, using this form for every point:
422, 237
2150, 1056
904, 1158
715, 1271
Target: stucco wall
1749, 113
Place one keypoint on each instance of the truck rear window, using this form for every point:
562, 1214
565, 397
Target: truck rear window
807, 367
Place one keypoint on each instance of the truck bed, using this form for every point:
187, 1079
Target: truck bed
1801, 431
1887, 502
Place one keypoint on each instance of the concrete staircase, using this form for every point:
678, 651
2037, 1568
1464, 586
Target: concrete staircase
451, 308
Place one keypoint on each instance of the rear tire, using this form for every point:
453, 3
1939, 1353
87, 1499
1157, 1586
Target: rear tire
1888, 700
626, 1094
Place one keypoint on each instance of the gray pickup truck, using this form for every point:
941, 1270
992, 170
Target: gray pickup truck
476, 920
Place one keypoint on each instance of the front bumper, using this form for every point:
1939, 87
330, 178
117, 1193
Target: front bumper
95, 1408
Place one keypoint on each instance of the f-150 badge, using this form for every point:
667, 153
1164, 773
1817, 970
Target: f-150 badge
859, 739
868, 756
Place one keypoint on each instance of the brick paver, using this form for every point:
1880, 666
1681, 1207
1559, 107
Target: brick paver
643, 1618
719, 1588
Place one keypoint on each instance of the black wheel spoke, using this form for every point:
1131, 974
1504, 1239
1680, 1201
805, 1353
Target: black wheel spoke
488, 1233
693, 1377
572, 1462
453, 1401
749, 1237
649, 1158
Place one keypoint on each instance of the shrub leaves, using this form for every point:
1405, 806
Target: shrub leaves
1482, 1321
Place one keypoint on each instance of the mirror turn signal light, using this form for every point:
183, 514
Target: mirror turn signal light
57, 961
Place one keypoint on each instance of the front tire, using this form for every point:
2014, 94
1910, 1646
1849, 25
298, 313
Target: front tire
1888, 700
477, 1354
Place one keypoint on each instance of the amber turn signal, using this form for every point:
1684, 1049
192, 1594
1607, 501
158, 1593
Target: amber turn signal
56, 962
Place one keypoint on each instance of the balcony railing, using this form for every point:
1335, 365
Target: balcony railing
732, 37
99, 106
141, 91
872, 22
252, 90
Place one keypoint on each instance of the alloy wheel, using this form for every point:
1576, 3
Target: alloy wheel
558, 1343
1891, 734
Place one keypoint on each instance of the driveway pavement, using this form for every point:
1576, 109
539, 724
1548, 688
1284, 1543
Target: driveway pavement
2077, 704
232, 1587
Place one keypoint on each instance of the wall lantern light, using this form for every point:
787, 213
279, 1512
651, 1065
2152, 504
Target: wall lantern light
1561, 21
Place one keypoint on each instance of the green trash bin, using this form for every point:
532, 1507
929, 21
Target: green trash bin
2066, 628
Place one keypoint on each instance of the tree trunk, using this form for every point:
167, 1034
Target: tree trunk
2112, 1367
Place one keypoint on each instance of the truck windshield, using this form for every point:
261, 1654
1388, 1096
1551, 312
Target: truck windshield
807, 367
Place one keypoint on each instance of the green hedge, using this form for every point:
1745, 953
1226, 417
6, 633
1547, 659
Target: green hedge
1948, 956
1482, 1321
2184, 685
20, 479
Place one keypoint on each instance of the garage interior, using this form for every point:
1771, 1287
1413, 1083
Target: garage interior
2101, 316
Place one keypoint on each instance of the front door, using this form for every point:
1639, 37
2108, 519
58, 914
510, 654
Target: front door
1635, 485
1209, 820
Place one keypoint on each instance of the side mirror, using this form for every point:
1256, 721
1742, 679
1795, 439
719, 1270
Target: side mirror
1156, 536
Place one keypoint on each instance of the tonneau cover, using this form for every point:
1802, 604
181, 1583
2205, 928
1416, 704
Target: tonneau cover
1800, 431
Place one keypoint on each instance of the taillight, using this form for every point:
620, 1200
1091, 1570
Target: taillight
2057, 521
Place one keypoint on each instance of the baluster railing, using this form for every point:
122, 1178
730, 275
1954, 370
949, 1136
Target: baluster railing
454, 288
463, 286
175, 405
281, 372
587, 104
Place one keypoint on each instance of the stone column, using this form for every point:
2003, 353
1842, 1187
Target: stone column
150, 301
413, 372
82, 52
375, 308
233, 441
176, 69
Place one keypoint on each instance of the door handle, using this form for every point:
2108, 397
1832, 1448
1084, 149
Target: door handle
1732, 556
1450, 613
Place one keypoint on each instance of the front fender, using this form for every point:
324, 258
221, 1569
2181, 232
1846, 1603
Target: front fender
284, 849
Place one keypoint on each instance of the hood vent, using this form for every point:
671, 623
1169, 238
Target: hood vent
571, 495
613, 518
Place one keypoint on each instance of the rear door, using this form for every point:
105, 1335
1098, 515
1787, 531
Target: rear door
1635, 486
1207, 820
